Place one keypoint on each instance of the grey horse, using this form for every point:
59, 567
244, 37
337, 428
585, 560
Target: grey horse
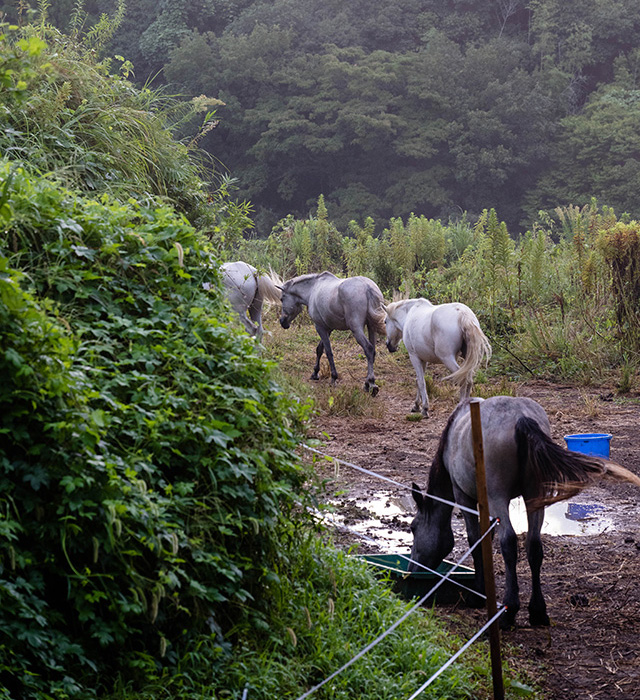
337, 304
520, 460
247, 289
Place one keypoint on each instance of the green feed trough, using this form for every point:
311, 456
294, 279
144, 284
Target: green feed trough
416, 584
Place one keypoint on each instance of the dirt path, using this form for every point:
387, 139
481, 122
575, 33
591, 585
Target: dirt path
591, 582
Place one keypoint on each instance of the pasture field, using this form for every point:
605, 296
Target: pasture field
590, 581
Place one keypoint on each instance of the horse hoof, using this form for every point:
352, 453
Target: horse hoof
507, 621
314, 377
539, 619
374, 390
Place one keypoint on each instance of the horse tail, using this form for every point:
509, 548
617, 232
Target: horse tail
560, 473
375, 312
477, 347
270, 286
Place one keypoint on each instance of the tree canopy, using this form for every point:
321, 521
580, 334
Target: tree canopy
393, 107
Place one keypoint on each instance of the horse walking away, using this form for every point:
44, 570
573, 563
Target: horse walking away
247, 290
520, 460
333, 303
437, 333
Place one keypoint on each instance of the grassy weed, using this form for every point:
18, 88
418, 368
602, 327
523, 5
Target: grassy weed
328, 607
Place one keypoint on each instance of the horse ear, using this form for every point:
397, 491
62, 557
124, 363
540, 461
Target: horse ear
416, 492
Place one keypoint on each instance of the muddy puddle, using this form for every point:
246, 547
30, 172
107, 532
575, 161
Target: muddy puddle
383, 519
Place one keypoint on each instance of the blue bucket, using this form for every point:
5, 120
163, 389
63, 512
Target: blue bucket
596, 444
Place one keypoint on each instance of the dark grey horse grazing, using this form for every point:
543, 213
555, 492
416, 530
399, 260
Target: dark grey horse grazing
337, 304
520, 460
247, 290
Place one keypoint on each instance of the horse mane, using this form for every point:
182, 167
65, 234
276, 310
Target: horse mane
399, 303
311, 276
439, 478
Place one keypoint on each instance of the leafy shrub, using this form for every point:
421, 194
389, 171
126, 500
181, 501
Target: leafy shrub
147, 459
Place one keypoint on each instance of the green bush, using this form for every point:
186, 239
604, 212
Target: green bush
147, 459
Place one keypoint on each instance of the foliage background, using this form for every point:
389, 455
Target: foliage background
393, 107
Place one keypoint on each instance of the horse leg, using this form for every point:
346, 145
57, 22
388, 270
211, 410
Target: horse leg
255, 312
372, 383
449, 361
422, 400
316, 369
250, 327
369, 347
537, 606
509, 548
325, 345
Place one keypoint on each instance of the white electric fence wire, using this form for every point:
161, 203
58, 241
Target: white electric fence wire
366, 538
400, 620
458, 653
386, 478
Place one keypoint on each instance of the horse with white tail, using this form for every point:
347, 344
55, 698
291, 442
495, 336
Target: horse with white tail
247, 290
438, 334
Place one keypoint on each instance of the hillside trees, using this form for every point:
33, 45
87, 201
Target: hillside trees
464, 115
599, 148
391, 107
378, 132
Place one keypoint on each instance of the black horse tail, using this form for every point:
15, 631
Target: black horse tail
561, 473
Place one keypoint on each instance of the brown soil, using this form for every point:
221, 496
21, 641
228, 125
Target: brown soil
591, 583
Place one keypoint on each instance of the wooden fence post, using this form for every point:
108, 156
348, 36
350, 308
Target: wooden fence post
487, 549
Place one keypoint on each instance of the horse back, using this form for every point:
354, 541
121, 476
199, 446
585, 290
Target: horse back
343, 304
508, 476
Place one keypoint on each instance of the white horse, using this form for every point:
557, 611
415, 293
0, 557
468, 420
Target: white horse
437, 334
247, 289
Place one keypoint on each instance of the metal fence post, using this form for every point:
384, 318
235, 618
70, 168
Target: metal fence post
487, 549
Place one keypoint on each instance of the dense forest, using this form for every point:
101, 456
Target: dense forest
393, 107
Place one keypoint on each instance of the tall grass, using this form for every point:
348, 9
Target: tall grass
92, 130
559, 301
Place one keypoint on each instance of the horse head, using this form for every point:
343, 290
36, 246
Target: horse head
292, 305
394, 331
432, 533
